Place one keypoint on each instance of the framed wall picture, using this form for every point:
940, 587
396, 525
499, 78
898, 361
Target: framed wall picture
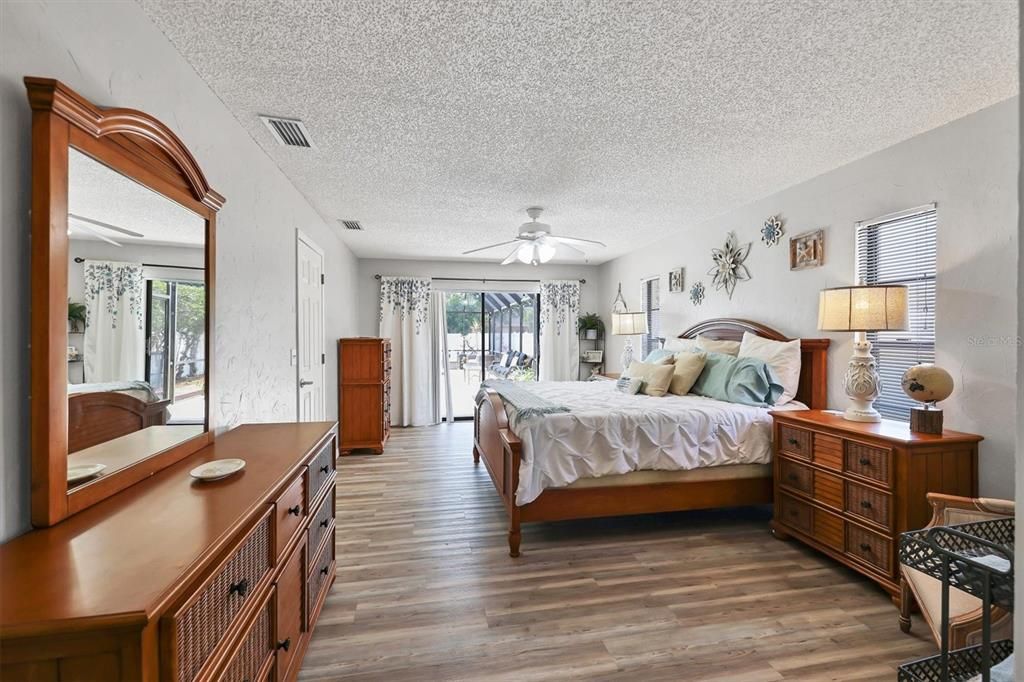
593, 355
807, 250
676, 280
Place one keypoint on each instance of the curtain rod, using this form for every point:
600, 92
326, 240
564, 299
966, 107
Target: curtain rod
155, 265
482, 279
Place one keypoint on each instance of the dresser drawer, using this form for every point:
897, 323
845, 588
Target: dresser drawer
320, 471
320, 571
795, 513
288, 602
256, 648
869, 547
868, 461
796, 476
289, 514
795, 441
868, 503
195, 630
321, 523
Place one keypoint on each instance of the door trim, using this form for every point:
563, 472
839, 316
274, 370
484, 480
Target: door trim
301, 236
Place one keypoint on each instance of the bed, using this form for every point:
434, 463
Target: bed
101, 412
741, 477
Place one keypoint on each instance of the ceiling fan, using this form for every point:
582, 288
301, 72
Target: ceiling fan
92, 226
535, 244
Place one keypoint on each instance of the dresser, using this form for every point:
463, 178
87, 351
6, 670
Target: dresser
848, 489
177, 579
364, 393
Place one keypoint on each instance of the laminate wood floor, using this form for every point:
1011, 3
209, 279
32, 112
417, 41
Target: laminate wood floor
426, 590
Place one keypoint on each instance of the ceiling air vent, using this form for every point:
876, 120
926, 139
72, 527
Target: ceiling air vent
289, 132
351, 224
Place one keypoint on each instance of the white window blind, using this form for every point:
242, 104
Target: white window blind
901, 249
652, 306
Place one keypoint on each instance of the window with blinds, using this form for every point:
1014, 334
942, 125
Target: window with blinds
901, 249
652, 306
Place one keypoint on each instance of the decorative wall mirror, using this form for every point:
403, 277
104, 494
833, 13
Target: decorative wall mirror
123, 227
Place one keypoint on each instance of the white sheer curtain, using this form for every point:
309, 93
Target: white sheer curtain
438, 304
408, 319
559, 341
115, 322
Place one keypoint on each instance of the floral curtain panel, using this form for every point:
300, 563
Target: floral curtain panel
115, 321
559, 340
406, 317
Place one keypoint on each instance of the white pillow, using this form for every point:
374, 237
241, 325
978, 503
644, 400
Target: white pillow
680, 345
716, 346
782, 356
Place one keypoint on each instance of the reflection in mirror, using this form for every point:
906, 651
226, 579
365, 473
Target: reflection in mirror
136, 321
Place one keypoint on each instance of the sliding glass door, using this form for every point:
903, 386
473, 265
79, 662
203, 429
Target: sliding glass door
176, 347
490, 335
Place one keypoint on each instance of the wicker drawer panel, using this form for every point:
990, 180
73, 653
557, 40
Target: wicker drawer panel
828, 451
794, 513
828, 489
796, 476
200, 625
868, 461
256, 648
795, 441
320, 570
828, 529
867, 503
870, 547
320, 470
321, 523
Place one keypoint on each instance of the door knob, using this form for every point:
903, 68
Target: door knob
305, 382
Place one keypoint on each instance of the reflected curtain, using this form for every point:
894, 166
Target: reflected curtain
559, 339
407, 317
115, 321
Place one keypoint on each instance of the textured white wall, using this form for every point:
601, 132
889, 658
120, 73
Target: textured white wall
369, 288
111, 53
969, 167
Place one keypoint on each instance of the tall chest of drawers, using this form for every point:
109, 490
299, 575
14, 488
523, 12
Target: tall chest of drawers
364, 393
175, 579
849, 488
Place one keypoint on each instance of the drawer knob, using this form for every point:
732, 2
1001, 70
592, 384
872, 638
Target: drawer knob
241, 588
794, 442
865, 547
793, 477
324, 523
325, 569
295, 511
325, 468
793, 512
865, 504
865, 461
285, 644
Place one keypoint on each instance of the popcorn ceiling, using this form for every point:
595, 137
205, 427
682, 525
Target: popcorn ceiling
438, 123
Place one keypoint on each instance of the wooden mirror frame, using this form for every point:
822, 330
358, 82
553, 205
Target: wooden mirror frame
141, 148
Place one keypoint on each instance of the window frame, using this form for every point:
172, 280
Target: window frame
652, 339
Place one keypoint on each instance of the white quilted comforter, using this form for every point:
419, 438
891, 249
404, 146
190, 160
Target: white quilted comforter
608, 432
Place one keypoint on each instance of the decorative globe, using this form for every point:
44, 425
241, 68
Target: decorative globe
927, 383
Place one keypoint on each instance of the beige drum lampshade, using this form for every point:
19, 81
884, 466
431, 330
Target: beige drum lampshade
862, 308
628, 324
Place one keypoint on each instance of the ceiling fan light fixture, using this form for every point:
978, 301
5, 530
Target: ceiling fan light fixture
545, 251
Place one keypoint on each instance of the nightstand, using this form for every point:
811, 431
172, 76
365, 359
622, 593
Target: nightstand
848, 489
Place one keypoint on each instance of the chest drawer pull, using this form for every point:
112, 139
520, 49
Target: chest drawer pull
793, 441
865, 547
296, 510
325, 468
865, 504
793, 477
241, 588
325, 523
323, 571
865, 461
285, 644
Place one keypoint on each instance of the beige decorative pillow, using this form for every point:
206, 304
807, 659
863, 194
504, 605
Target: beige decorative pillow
687, 368
715, 346
680, 345
656, 377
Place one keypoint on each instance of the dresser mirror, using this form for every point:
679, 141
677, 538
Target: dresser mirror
122, 292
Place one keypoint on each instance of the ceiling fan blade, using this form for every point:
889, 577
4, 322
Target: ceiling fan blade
492, 246
574, 240
511, 257
108, 226
573, 248
96, 233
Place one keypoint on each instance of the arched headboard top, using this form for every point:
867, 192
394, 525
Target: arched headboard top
813, 390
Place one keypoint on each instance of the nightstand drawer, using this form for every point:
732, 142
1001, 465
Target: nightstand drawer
794, 513
795, 441
868, 461
872, 505
796, 476
869, 547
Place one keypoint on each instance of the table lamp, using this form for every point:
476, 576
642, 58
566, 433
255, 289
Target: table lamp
861, 309
628, 324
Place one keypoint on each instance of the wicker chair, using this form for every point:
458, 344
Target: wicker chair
964, 609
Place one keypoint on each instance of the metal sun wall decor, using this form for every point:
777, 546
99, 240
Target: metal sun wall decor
697, 293
729, 267
772, 231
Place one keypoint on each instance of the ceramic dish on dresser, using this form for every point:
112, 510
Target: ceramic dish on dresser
81, 472
217, 469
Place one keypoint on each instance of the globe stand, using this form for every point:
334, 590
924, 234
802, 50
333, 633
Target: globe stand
926, 420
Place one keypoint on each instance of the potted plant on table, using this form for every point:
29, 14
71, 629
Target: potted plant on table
76, 316
590, 325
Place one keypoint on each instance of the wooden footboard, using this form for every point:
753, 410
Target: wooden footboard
500, 450
98, 417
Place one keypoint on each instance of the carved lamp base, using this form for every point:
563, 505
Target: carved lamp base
862, 383
627, 356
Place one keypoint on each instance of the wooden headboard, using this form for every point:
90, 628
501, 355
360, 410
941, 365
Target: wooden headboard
813, 390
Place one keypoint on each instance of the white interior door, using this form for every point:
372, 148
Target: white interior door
311, 359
